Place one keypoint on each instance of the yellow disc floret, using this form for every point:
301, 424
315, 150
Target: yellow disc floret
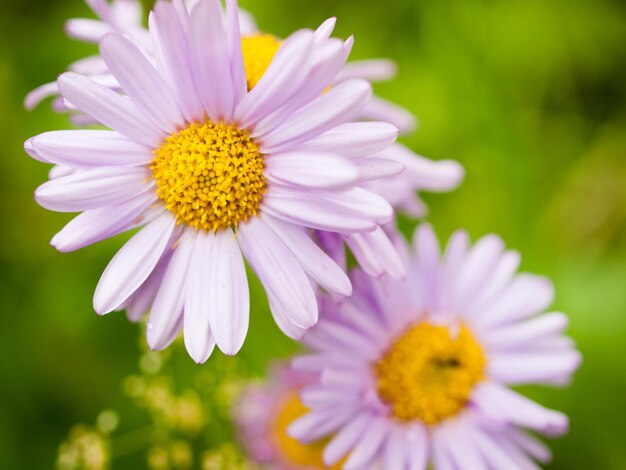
292, 451
258, 52
210, 175
429, 372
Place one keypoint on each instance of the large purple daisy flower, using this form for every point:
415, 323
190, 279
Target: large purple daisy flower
214, 171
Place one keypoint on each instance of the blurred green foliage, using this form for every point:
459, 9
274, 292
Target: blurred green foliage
530, 95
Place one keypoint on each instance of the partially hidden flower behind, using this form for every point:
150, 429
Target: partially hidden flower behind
212, 169
418, 372
262, 415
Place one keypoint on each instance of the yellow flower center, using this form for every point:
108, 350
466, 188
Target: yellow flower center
429, 373
296, 454
258, 52
210, 175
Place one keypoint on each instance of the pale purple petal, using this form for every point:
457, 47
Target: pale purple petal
340, 104
394, 452
211, 60
279, 271
546, 367
500, 277
531, 445
87, 149
92, 65
354, 139
325, 29
140, 302
426, 174
199, 339
375, 168
343, 441
314, 261
525, 296
168, 303
108, 107
313, 426
99, 224
310, 210
477, 267
39, 94
247, 23
365, 451
326, 60
177, 59
372, 70
234, 18
312, 170
30, 150
378, 109
93, 188
141, 82
282, 317
520, 410
229, 296
132, 265
496, 456
376, 254
87, 30
417, 447
59, 171
281, 80
524, 334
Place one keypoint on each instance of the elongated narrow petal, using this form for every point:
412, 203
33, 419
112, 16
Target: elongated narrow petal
312, 170
345, 439
109, 108
342, 103
88, 149
315, 262
317, 214
177, 60
372, 70
279, 271
141, 82
169, 301
87, 30
353, 206
212, 70
39, 94
283, 77
229, 297
379, 109
132, 265
365, 451
99, 224
521, 410
93, 188
376, 253
237, 70
354, 139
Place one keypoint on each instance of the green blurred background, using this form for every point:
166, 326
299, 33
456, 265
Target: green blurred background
530, 96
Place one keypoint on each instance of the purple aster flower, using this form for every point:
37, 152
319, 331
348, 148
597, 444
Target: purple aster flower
214, 170
397, 182
418, 372
262, 414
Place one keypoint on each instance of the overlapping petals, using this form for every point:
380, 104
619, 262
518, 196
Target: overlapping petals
473, 286
194, 278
